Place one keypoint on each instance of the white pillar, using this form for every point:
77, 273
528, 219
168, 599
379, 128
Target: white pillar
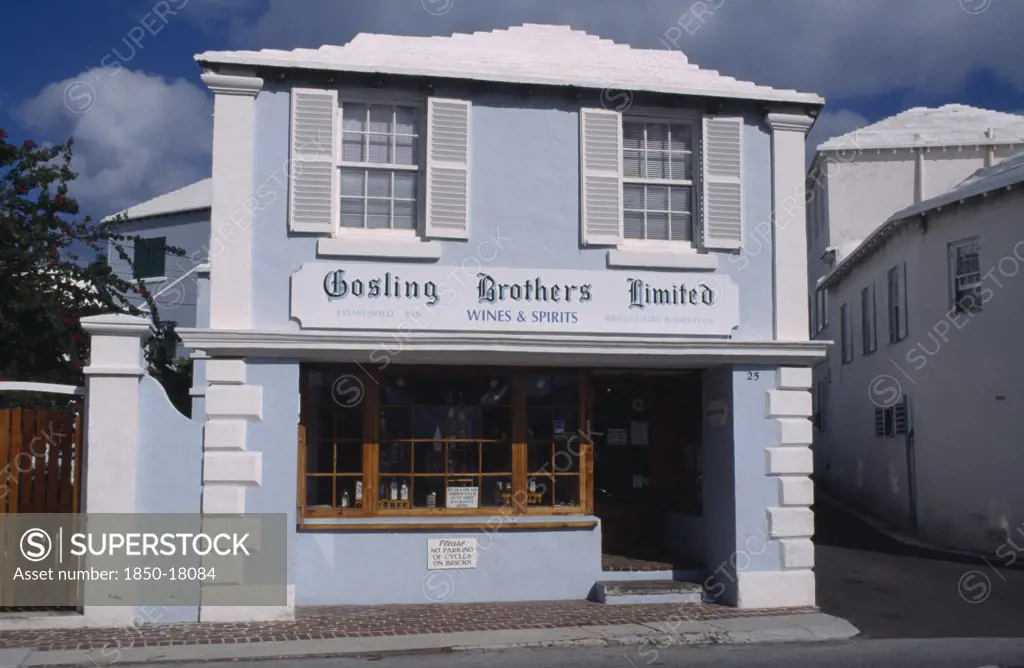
111, 466
231, 214
789, 224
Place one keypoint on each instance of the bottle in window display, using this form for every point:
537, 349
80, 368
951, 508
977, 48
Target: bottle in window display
394, 490
438, 439
432, 499
404, 493
359, 490
344, 499
497, 494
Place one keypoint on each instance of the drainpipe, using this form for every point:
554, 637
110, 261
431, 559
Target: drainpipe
990, 149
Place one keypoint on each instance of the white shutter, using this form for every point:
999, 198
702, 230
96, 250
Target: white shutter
447, 188
722, 182
313, 193
601, 173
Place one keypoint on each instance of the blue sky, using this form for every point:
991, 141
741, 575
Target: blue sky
119, 74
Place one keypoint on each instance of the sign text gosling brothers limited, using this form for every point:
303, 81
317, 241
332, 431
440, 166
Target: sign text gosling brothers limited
332, 296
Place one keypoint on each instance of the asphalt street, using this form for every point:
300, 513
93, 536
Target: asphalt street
955, 653
890, 590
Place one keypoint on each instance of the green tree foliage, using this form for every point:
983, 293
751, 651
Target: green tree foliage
45, 286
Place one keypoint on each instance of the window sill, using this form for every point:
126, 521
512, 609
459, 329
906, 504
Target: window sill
477, 523
635, 258
380, 247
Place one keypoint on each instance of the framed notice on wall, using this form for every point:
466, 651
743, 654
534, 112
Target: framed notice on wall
617, 437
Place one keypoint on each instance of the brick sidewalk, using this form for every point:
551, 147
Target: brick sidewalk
377, 621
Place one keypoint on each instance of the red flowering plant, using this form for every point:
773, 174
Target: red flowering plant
46, 287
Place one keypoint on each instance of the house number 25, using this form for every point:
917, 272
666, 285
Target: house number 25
753, 375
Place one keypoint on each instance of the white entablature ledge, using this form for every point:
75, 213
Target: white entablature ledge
407, 347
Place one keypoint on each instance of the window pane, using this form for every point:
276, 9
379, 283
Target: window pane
352, 182
348, 492
320, 456
395, 458
406, 185
428, 492
538, 390
378, 183
381, 118
497, 458
657, 137
681, 227
429, 457
378, 214
463, 458
681, 199
430, 422
632, 135
631, 164
681, 166
656, 165
353, 117
349, 457
633, 197
538, 456
351, 212
633, 225
319, 491
396, 390
405, 120
496, 492
567, 491
352, 147
405, 150
395, 423
567, 456
405, 216
682, 137
380, 150
657, 226
657, 200
496, 423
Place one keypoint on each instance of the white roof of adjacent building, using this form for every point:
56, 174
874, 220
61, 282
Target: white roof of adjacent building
194, 197
527, 54
1006, 175
949, 125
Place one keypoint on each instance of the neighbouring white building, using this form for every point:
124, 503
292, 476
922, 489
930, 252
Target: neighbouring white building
859, 179
918, 403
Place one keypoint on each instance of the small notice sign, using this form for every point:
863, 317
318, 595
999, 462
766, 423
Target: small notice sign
451, 553
617, 437
463, 497
559, 427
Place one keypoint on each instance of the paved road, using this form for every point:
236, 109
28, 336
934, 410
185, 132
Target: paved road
850, 654
890, 590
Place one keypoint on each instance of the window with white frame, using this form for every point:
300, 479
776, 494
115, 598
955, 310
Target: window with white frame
380, 166
846, 333
869, 331
965, 275
896, 294
658, 180
821, 307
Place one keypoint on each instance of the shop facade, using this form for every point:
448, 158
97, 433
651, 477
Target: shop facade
484, 343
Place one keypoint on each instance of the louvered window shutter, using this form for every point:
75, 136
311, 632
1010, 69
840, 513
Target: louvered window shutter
722, 183
313, 201
448, 132
601, 172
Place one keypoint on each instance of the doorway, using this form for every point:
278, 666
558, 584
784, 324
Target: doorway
646, 462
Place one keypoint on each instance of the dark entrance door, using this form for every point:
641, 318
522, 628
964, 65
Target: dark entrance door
645, 425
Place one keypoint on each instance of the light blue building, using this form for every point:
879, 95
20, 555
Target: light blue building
506, 316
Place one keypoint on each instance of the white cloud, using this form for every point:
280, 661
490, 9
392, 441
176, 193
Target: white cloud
841, 48
136, 135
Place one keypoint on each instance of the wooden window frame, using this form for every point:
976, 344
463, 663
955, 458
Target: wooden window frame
371, 407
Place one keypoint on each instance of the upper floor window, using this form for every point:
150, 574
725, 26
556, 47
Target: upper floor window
657, 184
869, 332
150, 257
380, 147
896, 294
820, 310
846, 333
965, 275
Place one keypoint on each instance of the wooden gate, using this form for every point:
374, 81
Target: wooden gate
40, 470
40, 460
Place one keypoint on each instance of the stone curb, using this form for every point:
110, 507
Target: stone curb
807, 627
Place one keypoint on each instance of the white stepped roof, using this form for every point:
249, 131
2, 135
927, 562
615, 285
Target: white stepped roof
527, 54
193, 197
949, 125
